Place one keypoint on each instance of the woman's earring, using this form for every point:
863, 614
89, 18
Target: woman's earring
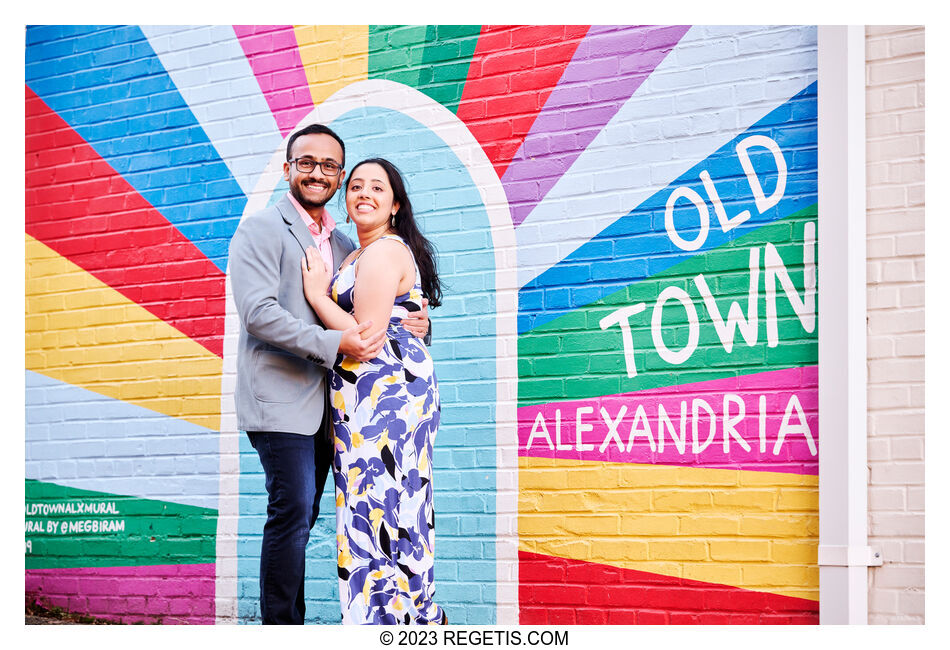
393, 220
348, 218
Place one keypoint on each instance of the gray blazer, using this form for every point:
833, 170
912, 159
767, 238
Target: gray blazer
283, 349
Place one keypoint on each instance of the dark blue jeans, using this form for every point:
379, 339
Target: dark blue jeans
295, 469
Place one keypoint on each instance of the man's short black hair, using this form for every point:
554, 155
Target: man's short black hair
316, 129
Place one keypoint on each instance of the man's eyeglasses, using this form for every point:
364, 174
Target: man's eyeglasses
307, 165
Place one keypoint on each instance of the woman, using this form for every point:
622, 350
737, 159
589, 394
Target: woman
386, 411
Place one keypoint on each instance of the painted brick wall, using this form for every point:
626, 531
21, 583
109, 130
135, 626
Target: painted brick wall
895, 208
638, 504
627, 355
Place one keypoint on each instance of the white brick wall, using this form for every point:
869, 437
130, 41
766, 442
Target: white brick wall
895, 250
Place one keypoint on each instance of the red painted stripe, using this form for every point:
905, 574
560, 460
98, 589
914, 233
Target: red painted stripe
167, 594
513, 71
79, 206
555, 591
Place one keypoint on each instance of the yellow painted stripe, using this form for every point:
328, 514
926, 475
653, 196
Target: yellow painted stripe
83, 332
753, 530
333, 56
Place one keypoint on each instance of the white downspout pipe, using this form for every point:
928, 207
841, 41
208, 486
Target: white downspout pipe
843, 552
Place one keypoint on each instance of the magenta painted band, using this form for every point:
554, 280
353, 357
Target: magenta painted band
275, 60
174, 593
790, 397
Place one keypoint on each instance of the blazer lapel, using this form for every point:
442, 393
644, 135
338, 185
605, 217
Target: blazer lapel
296, 225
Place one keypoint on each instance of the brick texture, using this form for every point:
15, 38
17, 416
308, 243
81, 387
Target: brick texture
895, 309
666, 169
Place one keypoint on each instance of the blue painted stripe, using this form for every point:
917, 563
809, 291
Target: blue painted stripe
84, 440
108, 84
211, 72
637, 246
446, 202
716, 82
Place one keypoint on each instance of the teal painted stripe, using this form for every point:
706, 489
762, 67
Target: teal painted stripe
450, 212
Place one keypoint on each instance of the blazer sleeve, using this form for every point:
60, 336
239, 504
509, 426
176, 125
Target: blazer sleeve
255, 260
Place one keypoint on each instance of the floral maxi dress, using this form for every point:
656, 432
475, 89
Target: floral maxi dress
385, 415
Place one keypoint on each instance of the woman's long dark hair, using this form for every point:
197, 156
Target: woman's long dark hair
422, 249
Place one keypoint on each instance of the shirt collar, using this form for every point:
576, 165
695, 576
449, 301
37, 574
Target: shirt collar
327, 225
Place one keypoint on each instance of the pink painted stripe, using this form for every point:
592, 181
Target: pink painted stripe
607, 68
779, 387
168, 594
272, 52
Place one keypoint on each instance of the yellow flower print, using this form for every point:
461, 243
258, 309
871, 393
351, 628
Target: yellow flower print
352, 477
366, 586
343, 558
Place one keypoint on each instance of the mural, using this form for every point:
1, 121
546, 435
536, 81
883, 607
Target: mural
626, 222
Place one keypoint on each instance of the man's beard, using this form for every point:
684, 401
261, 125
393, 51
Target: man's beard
304, 202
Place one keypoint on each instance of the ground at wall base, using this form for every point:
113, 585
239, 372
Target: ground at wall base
37, 614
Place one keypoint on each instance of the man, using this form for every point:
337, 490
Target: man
283, 355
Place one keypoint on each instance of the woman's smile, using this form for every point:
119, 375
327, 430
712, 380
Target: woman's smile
369, 198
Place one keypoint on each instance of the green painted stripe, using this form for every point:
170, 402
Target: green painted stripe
433, 59
573, 356
136, 531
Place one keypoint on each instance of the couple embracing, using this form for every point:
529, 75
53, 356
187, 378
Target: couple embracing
333, 370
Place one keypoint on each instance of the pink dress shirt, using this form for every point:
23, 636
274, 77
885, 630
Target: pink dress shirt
321, 236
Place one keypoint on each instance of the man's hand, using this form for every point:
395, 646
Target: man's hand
316, 279
417, 322
353, 345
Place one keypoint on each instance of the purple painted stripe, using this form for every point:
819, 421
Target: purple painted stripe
607, 68
168, 594
782, 389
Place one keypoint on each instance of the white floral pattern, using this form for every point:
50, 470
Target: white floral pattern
386, 413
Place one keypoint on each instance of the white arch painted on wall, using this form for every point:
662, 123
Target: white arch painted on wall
380, 93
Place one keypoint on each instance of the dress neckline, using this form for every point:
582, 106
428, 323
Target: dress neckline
362, 249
